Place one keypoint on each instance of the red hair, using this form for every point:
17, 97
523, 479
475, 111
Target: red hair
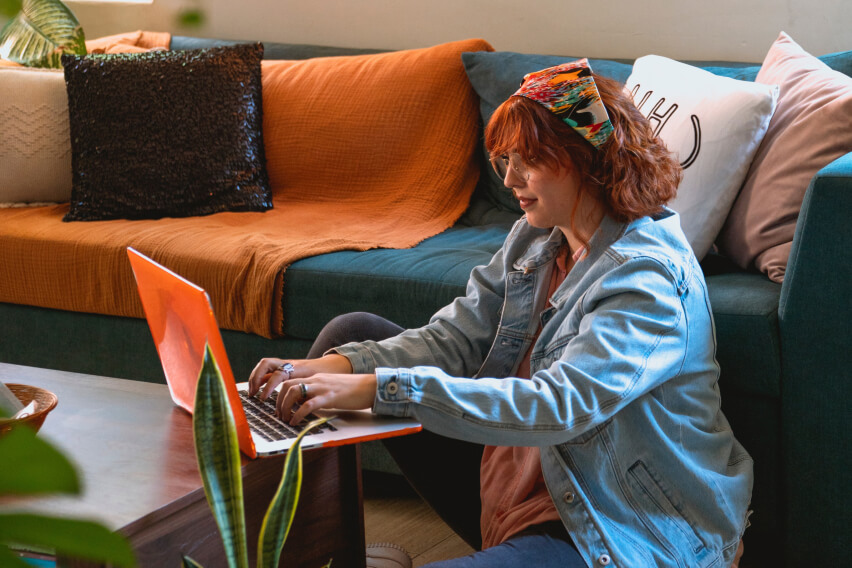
633, 174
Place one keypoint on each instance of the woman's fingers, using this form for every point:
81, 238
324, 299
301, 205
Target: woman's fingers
261, 374
287, 398
324, 391
307, 406
280, 373
271, 371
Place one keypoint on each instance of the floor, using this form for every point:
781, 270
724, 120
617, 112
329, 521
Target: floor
394, 513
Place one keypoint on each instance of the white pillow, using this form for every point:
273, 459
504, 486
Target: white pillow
35, 141
714, 125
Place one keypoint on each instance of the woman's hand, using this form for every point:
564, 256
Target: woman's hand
324, 390
270, 372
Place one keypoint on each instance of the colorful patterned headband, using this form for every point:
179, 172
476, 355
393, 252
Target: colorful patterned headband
569, 91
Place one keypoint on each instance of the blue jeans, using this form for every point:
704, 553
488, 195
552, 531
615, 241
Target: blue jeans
544, 546
452, 492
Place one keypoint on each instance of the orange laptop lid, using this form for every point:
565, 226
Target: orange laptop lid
182, 321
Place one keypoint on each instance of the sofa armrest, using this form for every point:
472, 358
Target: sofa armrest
822, 245
815, 318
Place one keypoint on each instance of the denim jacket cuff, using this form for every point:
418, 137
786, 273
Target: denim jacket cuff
359, 357
392, 392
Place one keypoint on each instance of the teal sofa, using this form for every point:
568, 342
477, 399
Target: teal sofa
783, 349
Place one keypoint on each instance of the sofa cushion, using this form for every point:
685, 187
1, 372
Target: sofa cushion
406, 286
35, 147
166, 134
811, 128
713, 125
745, 311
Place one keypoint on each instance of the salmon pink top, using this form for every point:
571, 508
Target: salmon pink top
512, 487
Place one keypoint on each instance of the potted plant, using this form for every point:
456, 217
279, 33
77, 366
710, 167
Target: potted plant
218, 454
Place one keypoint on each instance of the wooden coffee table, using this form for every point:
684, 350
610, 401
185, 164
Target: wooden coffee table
134, 451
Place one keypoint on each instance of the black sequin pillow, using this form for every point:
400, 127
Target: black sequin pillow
166, 133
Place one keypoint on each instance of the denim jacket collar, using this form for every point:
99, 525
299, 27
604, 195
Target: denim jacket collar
541, 252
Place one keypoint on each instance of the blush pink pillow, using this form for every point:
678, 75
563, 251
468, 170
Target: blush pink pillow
812, 127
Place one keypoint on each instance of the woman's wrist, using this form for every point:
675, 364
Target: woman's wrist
334, 363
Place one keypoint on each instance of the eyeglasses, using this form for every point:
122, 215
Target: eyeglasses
501, 165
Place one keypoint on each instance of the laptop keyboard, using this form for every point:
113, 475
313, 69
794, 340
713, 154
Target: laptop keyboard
260, 415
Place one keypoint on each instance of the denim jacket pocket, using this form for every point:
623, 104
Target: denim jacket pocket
664, 518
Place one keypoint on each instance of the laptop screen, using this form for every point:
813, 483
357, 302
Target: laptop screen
182, 322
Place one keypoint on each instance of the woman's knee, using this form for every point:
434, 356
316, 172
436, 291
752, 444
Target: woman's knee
354, 326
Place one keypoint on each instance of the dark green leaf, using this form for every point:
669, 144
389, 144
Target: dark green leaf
218, 455
40, 33
68, 537
282, 509
33, 466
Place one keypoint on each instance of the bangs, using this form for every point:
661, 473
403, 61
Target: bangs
526, 127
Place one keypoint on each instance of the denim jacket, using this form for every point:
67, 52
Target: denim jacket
623, 398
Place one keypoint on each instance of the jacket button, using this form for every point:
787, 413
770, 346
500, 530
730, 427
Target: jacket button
392, 389
569, 497
604, 559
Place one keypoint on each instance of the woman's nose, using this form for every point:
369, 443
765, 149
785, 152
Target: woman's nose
512, 179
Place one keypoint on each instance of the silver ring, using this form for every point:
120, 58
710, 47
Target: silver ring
286, 368
304, 389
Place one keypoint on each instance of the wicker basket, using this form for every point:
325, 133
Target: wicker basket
45, 402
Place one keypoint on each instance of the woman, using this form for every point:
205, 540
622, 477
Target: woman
579, 370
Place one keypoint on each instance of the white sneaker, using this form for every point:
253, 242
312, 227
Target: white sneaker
387, 555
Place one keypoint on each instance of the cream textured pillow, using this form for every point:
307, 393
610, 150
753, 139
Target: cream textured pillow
714, 124
811, 128
35, 145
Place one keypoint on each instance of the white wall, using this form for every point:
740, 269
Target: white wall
686, 29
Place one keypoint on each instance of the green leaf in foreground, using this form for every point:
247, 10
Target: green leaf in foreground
218, 454
282, 509
68, 537
38, 466
9, 559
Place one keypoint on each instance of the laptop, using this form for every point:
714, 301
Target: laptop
182, 321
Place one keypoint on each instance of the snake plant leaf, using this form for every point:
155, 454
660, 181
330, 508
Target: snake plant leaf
218, 455
38, 466
69, 537
190, 563
282, 509
41, 32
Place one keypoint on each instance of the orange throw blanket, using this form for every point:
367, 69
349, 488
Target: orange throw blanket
363, 152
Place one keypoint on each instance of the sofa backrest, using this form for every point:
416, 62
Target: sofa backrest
495, 76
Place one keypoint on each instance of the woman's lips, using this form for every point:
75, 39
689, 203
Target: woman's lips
525, 202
